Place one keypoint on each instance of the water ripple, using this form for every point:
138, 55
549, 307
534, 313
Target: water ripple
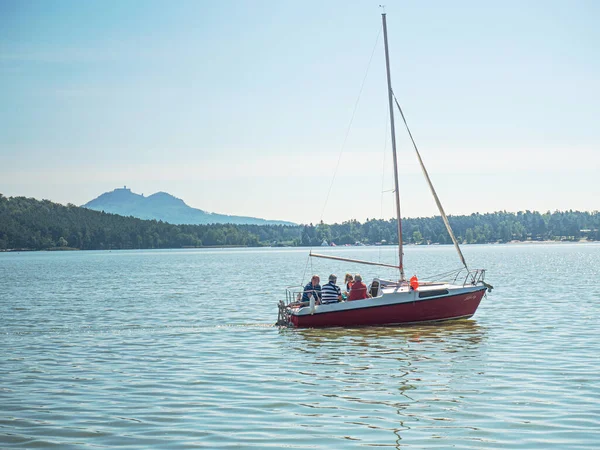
138, 349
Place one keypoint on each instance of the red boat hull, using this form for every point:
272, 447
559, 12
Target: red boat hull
427, 310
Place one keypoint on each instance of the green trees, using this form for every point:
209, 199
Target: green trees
27, 223
477, 228
309, 235
417, 237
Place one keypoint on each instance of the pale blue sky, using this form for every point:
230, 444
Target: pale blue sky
242, 107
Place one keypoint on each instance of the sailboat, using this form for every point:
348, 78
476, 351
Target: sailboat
398, 302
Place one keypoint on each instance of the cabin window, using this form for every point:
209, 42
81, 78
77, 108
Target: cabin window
424, 294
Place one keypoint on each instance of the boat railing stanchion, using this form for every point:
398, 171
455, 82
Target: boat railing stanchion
283, 319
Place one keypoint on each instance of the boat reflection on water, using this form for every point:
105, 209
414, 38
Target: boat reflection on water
467, 331
388, 379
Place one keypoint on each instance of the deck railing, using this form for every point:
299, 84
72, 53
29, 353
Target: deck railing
293, 294
472, 277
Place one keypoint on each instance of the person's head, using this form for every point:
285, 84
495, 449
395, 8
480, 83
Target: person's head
358, 278
332, 278
348, 278
315, 280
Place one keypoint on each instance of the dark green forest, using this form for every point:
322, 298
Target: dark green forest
27, 223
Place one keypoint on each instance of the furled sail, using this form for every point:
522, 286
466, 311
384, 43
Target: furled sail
435, 196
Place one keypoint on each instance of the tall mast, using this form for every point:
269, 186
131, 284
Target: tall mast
393, 130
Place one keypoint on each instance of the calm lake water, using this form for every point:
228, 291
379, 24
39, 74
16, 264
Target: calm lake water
176, 349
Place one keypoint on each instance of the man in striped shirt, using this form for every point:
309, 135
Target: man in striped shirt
330, 293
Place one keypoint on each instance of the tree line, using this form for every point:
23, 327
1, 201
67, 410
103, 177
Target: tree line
27, 223
476, 228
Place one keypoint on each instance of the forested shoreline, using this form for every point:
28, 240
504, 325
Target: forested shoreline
30, 224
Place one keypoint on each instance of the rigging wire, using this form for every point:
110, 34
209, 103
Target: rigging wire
308, 261
362, 85
350, 124
441, 276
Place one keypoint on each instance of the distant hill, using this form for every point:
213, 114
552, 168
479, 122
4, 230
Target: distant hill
30, 224
165, 207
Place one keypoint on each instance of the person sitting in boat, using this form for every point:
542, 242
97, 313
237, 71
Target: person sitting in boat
330, 292
313, 288
358, 291
348, 280
374, 288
